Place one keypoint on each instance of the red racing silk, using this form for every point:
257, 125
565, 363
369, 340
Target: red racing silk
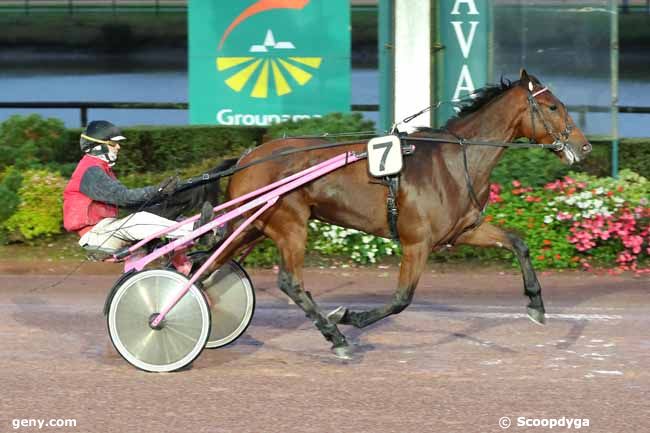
80, 212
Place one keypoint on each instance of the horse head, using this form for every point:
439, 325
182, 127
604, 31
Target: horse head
546, 120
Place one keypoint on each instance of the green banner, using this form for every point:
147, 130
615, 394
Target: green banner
464, 32
257, 62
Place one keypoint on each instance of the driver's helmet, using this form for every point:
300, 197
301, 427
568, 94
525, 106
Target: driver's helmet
95, 138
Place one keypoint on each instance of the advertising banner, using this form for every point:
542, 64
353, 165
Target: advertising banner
257, 62
464, 30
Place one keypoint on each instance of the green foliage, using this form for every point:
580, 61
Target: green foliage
334, 123
532, 167
265, 254
9, 200
28, 141
535, 167
159, 149
634, 188
10, 181
39, 211
549, 247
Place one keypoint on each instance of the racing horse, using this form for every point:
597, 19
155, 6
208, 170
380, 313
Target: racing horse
443, 192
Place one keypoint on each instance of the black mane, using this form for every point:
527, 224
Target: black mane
482, 97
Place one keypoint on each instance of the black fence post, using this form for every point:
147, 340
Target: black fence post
84, 116
70, 7
26, 7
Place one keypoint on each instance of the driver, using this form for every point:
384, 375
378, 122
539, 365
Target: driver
92, 196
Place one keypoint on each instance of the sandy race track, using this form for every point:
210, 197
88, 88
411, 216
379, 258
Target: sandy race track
460, 359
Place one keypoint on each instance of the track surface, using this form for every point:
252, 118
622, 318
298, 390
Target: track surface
457, 360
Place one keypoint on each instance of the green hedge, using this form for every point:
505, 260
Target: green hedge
164, 148
35, 150
535, 167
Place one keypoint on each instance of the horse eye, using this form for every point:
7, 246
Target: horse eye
552, 107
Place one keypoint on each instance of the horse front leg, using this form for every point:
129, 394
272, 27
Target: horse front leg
414, 259
289, 232
487, 235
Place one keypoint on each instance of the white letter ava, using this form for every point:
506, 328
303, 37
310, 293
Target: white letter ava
464, 83
470, 4
465, 43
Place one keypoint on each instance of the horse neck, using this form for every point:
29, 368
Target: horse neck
498, 121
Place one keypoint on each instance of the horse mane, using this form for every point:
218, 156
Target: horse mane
481, 97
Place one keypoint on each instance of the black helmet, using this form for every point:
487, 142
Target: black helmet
98, 133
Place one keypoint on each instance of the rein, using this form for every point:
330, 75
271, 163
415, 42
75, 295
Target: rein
212, 177
559, 144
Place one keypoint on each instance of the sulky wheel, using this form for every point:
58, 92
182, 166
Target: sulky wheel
232, 302
181, 336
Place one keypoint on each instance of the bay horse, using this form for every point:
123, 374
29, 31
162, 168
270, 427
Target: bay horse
434, 199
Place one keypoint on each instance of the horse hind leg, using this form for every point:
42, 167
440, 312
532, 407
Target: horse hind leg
290, 236
487, 235
414, 259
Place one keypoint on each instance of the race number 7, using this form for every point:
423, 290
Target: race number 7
387, 146
384, 156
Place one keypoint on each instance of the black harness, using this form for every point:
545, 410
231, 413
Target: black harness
393, 182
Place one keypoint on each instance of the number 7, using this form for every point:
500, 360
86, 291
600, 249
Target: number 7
387, 145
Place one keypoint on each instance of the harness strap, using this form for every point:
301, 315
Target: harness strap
392, 182
468, 179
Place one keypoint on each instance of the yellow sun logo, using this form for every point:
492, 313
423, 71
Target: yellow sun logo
261, 69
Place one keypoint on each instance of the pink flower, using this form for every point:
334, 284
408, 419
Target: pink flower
495, 193
516, 183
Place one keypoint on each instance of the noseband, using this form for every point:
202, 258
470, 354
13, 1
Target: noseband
561, 139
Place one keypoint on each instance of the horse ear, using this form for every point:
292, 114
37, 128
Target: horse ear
523, 75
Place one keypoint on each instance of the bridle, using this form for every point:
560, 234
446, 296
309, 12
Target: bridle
561, 139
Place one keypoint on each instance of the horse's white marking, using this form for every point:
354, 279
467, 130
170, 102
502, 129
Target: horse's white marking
530, 86
597, 341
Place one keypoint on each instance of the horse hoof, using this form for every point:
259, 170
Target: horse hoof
536, 316
343, 352
335, 316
